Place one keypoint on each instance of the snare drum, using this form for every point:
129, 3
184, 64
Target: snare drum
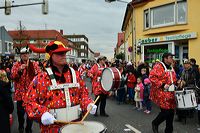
110, 79
185, 99
87, 127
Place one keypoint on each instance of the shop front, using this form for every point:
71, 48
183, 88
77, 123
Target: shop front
154, 47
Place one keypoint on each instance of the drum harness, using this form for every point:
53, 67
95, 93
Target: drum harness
172, 86
100, 68
57, 112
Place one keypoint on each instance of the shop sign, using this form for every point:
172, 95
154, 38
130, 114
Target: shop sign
180, 36
160, 50
149, 40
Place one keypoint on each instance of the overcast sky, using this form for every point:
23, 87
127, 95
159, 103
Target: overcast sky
98, 20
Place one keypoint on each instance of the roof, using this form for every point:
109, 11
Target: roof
126, 17
37, 35
129, 10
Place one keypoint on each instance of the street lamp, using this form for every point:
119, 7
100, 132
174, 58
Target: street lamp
133, 28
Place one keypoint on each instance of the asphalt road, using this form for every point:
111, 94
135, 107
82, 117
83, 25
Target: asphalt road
120, 115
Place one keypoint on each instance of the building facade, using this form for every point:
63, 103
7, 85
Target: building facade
81, 44
127, 28
167, 26
6, 43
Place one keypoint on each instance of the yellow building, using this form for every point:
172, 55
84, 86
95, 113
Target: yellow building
166, 26
127, 28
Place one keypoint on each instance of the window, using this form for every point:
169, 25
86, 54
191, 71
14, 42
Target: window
82, 46
31, 41
82, 54
10, 47
181, 13
146, 19
6, 47
169, 14
163, 15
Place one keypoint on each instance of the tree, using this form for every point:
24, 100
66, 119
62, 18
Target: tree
120, 56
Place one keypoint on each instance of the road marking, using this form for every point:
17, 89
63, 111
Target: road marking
132, 128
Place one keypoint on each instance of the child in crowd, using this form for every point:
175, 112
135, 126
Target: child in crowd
144, 74
139, 93
147, 101
130, 85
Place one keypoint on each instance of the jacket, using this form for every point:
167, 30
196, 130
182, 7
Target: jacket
159, 77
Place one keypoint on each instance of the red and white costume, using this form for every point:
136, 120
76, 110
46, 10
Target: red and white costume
160, 76
95, 73
82, 70
23, 78
41, 98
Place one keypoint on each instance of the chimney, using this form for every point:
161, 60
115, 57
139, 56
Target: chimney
61, 32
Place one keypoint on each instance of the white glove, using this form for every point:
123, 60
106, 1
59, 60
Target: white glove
47, 119
94, 108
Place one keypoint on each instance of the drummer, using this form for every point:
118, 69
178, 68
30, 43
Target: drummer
46, 104
187, 81
95, 73
163, 77
188, 76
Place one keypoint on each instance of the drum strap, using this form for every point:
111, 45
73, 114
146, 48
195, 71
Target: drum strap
100, 68
192, 99
183, 100
50, 73
65, 86
167, 70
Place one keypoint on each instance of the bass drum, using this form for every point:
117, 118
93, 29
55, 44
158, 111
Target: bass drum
87, 127
110, 79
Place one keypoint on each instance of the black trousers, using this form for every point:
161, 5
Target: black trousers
20, 114
102, 101
165, 115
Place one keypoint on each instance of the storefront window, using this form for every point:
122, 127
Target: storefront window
176, 52
153, 52
185, 52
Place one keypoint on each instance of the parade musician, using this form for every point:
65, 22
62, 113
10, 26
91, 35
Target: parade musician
22, 73
95, 74
163, 78
57, 93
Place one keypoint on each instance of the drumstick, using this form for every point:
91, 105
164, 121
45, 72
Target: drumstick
89, 109
70, 122
27, 63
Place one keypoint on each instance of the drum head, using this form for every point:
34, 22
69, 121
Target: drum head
107, 79
87, 127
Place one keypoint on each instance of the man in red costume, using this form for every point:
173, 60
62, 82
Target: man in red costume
22, 74
57, 93
82, 69
95, 73
163, 78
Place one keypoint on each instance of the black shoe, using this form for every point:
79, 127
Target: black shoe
21, 130
154, 128
104, 115
28, 131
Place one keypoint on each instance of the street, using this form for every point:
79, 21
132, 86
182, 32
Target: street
120, 115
